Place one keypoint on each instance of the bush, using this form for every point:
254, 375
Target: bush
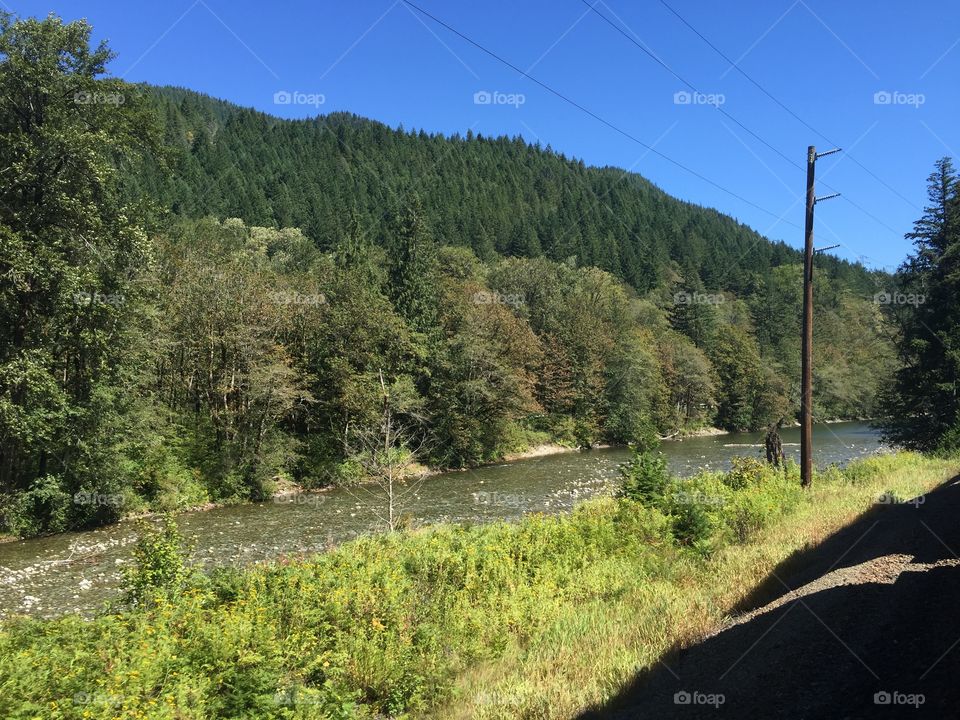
45, 508
586, 431
759, 506
159, 569
695, 505
518, 438
857, 472
746, 471
692, 526
746, 516
645, 478
832, 474
949, 443
349, 472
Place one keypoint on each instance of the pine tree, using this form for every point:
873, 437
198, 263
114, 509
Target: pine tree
413, 261
921, 409
692, 312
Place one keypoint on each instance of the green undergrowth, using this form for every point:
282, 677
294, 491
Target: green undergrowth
525, 619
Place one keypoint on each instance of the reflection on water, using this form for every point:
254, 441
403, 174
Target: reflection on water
80, 571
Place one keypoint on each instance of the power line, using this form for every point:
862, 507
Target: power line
597, 117
689, 84
726, 114
794, 115
865, 211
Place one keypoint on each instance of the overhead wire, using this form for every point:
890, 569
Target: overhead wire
596, 116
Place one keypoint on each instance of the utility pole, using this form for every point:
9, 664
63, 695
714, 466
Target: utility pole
806, 380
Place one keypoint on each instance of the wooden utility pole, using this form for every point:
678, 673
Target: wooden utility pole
806, 362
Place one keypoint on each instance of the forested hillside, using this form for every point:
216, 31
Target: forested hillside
496, 195
203, 302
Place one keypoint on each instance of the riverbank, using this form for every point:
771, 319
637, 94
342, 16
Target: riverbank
538, 451
287, 490
715, 431
699, 432
534, 618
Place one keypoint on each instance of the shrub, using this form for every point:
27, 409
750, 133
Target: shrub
758, 506
45, 508
585, 432
518, 438
857, 472
695, 505
864, 470
746, 516
832, 475
746, 471
159, 569
692, 526
949, 443
645, 478
348, 472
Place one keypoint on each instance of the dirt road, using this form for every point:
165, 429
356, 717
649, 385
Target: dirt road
866, 625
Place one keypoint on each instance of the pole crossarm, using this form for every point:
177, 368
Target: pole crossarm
828, 152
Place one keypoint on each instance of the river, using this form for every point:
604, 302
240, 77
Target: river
80, 571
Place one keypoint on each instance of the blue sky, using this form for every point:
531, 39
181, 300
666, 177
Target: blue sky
824, 60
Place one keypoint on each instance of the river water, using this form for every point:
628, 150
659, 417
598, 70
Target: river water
80, 571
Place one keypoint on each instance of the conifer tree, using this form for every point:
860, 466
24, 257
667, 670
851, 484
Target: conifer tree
921, 408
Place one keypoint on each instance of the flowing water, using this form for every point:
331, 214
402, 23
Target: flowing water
80, 571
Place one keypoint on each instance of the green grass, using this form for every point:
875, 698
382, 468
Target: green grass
534, 619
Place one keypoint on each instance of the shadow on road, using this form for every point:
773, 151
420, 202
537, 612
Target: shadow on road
874, 633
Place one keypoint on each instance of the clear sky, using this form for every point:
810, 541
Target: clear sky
823, 59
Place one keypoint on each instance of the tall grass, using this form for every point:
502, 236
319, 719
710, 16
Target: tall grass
533, 619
